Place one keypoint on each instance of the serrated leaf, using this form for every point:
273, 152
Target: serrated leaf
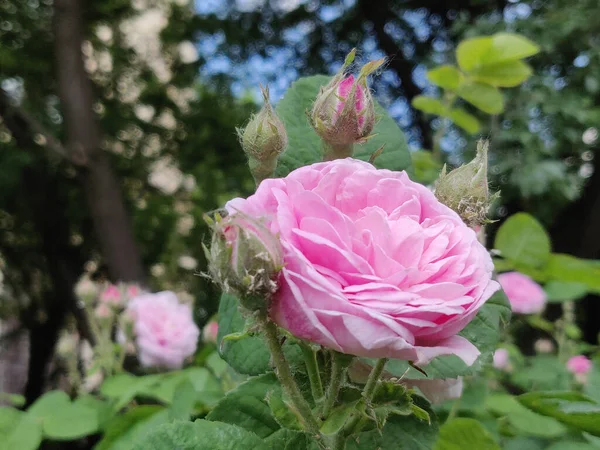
125, 429
462, 433
525, 421
488, 50
429, 105
200, 435
463, 119
390, 393
246, 406
285, 439
282, 413
248, 355
522, 239
571, 408
504, 74
338, 418
304, 145
446, 76
483, 96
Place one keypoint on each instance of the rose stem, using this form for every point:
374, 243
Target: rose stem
312, 367
285, 377
369, 390
337, 374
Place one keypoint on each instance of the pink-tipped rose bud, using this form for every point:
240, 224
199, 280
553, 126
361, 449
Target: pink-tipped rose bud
245, 258
111, 295
579, 365
524, 294
103, 311
164, 330
344, 111
263, 140
501, 359
210, 331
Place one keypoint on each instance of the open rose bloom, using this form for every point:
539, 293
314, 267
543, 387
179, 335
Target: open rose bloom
374, 264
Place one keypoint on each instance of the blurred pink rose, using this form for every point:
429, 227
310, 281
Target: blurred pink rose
438, 390
165, 332
374, 265
111, 295
524, 294
501, 359
132, 291
579, 365
103, 311
209, 333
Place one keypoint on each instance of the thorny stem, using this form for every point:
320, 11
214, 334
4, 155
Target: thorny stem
368, 392
286, 378
312, 367
337, 375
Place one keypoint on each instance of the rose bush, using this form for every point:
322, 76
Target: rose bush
374, 264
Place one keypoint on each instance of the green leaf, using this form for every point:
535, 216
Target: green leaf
285, 439
61, 419
304, 145
571, 408
522, 239
206, 386
127, 428
501, 47
564, 291
429, 105
399, 433
248, 355
592, 386
570, 445
282, 412
390, 393
459, 434
571, 269
338, 418
184, 400
525, 421
103, 409
542, 372
246, 406
123, 388
447, 77
463, 119
19, 430
12, 399
483, 96
505, 74
426, 167
200, 435
483, 331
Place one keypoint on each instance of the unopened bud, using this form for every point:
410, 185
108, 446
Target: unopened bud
465, 189
245, 259
263, 140
344, 111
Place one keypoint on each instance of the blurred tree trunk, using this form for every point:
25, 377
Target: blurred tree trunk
84, 139
577, 232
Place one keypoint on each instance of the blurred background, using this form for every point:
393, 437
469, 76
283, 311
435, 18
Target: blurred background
117, 132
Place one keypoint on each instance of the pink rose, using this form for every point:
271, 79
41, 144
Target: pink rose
579, 365
438, 390
501, 359
374, 265
524, 294
165, 332
210, 331
111, 295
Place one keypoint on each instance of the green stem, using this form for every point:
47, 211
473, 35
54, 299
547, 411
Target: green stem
312, 367
369, 390
331, 151
285, 377
337, 374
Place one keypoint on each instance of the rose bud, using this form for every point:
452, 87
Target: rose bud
245, 259
344, 112
524, 294
579, 366
465, 189
263, 140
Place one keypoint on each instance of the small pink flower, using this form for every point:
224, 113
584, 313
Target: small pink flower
165, 332
103, 311
133, 290
111, 295
524, 294
579, 365
374, 265
501, 359
209, 333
